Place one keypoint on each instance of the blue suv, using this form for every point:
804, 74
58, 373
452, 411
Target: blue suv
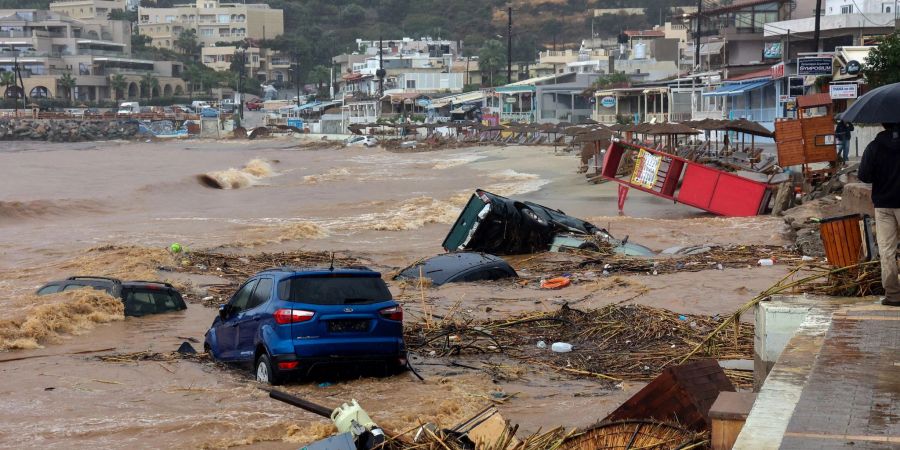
288, 321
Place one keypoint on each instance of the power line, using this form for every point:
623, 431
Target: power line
870, 20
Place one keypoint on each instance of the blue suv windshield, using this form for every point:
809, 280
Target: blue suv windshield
334, 290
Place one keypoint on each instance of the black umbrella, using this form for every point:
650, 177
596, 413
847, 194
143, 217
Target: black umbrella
878, 106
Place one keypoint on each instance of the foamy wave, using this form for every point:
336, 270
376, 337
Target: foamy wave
46, 318
410, 214
458, 161
249, 175
285, 232
509, 182
13, 211
330, 175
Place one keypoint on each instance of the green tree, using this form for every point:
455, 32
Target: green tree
118, 14
353, 14
187, 42
67, 82
7, 79
118, 83
140, 42
491, 57
883, 61
149, 82
552, 28
191, 74
319, 75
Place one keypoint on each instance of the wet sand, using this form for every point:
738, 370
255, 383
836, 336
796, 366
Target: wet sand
58, 201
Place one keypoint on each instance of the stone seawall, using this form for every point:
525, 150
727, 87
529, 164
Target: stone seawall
66, 130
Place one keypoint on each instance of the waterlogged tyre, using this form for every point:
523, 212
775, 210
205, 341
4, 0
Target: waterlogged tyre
265, 372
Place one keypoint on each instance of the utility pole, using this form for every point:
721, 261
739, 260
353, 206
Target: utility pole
509, 45
241, 83
296, 56
697, 34
381, 72
16, 83
818, 27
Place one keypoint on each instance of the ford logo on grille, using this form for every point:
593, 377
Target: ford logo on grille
348, 309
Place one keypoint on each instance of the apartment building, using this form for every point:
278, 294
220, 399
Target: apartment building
212, 21
263, 64
46, 45
87, 9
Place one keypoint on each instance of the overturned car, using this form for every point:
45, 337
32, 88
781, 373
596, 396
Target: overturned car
493, 224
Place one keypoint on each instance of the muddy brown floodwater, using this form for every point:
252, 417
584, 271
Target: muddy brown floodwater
65, 209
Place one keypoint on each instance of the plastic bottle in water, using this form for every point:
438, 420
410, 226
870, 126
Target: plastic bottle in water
766, 262
561, 347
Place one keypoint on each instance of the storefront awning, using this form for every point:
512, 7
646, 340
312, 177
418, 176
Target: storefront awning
729, 89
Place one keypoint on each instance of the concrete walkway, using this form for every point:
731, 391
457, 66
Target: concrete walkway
835, 386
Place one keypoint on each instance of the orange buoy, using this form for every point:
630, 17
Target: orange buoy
556, 283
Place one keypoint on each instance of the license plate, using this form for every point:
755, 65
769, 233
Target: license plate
348, 326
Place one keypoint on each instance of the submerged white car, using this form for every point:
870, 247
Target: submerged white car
368, 141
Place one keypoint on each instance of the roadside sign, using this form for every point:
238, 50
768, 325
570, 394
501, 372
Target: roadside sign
777, 71
785, 98
646, 169
814, 66
843, 90
608, 102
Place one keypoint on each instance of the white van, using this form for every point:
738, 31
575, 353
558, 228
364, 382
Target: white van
198, 105
129, 108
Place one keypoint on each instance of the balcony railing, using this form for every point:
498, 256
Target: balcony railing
525, 117
14, 34
713, 114
121, 70
754, 114
94, 52
605, 119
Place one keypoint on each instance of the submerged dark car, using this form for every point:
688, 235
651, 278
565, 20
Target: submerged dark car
140, 297
459, 266
493, 224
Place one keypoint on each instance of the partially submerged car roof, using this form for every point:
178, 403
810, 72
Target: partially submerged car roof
459, 266
359, 271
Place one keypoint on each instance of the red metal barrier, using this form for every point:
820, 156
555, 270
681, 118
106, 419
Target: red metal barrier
683, 181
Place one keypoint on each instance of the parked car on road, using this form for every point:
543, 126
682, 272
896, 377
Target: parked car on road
254, 105
140, 297
209, 112
290, 321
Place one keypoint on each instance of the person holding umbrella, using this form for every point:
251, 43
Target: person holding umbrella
880, 166
842, 134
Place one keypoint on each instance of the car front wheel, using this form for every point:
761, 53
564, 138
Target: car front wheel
266, 372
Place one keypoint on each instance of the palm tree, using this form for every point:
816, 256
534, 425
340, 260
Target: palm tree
68, 82
118, 83
491, 57
148, 83
7, 79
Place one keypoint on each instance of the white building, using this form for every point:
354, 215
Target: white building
845, 23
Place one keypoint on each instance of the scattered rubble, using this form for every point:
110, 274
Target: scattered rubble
612, 343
